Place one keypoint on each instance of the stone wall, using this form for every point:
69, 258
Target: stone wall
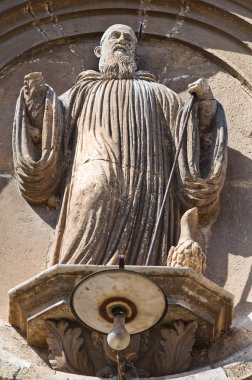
179, 41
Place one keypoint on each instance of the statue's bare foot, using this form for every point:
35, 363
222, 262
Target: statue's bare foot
188, 252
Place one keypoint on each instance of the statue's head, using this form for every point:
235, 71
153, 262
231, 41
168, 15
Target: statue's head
117, 52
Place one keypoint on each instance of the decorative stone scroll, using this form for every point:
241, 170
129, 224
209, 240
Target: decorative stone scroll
175, 346
66, 350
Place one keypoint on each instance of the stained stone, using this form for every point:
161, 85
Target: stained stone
211, 374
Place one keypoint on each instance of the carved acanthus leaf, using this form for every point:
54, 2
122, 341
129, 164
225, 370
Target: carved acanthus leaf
66, 350
174, 353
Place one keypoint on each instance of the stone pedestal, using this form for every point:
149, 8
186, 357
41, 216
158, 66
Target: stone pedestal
198, 313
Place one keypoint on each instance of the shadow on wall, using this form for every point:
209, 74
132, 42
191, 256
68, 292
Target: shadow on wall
49, 216
4, 180
244, 306
231, 236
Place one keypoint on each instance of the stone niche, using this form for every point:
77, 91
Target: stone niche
179, 42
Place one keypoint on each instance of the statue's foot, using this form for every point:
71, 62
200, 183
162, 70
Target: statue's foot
189, 227
187, 253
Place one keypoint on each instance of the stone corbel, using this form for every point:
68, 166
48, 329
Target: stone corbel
70, 347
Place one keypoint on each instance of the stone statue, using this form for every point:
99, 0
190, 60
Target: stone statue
107, 145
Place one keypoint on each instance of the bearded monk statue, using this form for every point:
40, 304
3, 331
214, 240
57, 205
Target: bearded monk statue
108, 145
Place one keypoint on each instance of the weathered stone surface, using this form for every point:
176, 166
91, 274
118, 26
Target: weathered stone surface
239, 358
11, 367
239, 371
211, 374
16, 357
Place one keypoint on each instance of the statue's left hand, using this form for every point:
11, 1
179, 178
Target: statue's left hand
34, 95
207, 106
34, 89
202, 89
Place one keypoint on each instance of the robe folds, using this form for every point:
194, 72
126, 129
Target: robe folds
122, 134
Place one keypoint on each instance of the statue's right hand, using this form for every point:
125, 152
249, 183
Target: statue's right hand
34, 88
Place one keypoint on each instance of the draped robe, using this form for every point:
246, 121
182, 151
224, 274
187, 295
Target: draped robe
122, 134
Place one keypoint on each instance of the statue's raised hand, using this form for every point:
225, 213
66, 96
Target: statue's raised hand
34, 95
206, 110
34, 87
202, 89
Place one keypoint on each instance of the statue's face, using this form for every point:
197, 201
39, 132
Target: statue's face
117, 52
118, 40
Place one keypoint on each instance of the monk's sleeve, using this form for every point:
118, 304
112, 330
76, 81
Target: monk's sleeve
38, 167
203, 157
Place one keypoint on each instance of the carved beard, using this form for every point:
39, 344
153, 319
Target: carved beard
119, 67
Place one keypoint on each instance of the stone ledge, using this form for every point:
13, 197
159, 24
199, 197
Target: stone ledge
239, 371
190, 296
244, 355
12, 367
42, 373
206, 373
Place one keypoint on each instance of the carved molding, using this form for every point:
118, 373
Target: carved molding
216, 17
68, 350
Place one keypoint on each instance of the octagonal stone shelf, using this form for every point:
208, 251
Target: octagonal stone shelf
191, 297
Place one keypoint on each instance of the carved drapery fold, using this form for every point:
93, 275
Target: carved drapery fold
38, 172
123, 150
201, 187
